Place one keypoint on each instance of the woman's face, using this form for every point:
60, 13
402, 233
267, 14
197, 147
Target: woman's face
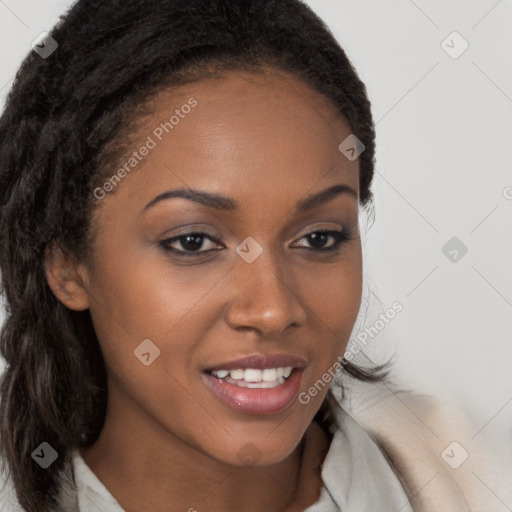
249, 283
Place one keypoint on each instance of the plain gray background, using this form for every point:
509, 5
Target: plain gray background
444, 154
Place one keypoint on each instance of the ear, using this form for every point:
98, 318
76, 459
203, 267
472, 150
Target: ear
66, 277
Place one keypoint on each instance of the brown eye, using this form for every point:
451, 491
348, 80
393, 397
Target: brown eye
190, 243
318, 240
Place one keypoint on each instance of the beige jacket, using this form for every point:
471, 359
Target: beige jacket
436, 452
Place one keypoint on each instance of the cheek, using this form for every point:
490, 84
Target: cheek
334, 298
333, 292
174, 310
149, 297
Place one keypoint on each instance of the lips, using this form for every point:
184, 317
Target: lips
260, 361
261, 398
256, 401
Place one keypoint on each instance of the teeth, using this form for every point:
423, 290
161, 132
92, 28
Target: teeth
269, 375
251, 376
236, 374
243, 384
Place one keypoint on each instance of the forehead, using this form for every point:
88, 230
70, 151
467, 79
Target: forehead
247, 136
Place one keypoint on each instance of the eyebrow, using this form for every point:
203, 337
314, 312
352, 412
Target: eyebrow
219, 202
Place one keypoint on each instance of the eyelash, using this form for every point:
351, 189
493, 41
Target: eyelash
340, 238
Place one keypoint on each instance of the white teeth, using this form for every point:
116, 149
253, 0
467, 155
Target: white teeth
269, 377
251, 375
262, 384
236, 374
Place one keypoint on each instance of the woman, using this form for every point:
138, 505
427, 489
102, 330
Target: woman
182, 269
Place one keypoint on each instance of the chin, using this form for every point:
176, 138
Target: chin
257, 451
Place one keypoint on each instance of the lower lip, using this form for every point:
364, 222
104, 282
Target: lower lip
257, 400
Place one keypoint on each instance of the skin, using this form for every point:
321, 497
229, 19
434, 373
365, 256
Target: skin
168, 443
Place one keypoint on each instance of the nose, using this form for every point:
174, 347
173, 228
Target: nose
265, 297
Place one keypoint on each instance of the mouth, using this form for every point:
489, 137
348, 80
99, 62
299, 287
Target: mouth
257, 384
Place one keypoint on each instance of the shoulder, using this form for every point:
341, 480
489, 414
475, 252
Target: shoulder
8, 499
357, 473
66, 500
430, 445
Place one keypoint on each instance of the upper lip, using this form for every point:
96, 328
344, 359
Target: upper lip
261, 361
